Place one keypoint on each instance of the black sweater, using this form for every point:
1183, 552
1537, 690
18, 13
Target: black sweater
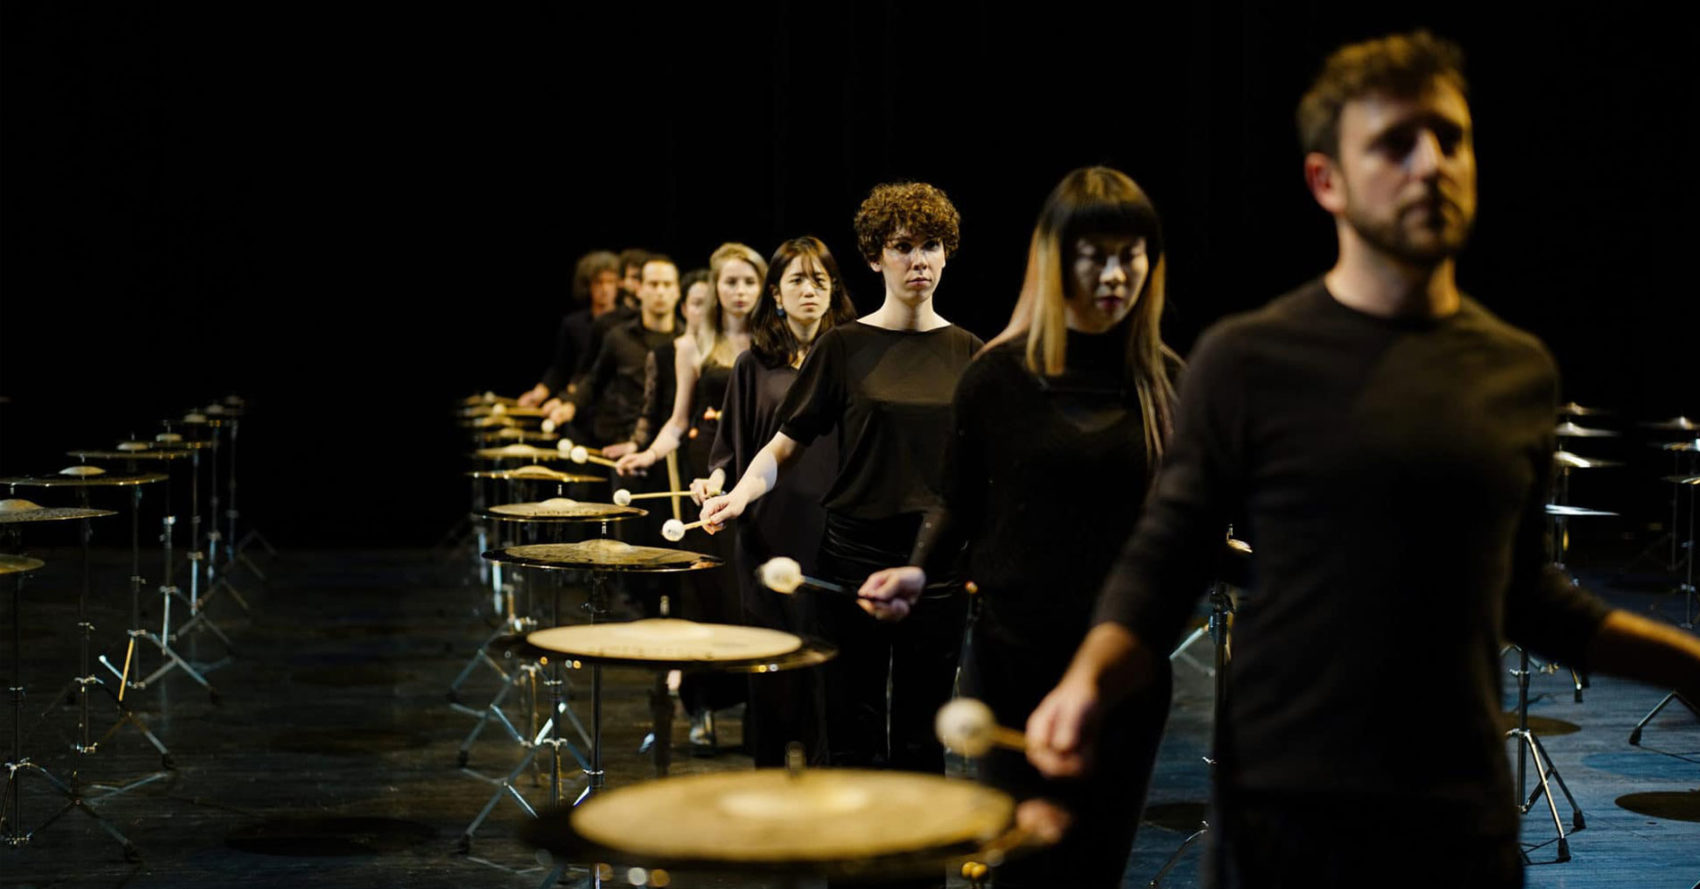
1392, 475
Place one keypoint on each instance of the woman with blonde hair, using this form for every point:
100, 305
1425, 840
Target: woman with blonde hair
1057, 428
702, 368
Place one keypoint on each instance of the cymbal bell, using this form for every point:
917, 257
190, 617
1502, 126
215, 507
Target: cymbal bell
1571, 430
1677, 424
1568, 460
1572, 409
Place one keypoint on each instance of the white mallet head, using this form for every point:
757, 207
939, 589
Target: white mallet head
548, 425
622, 497
673, 530
82, 469
966, 726
578, 455
781, 574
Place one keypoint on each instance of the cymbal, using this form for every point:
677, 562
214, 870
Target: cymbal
534, 472
1690, 445
829, 822
1679, 424
150, 454
1683, 479
1571, 430
666, 639
514, 433
223, 409
19, 511
603, 555
1574, 461
1556, 509
1572, 409
503, 410
179, 443
561, 509
489, 398
85, 477
520, 452
19, 564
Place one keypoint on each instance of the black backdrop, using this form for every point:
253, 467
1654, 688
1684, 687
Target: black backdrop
354, 216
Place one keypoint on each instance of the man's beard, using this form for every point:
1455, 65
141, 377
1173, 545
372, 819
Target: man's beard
1430, 247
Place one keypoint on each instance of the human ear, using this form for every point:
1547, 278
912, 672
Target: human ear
1327, 185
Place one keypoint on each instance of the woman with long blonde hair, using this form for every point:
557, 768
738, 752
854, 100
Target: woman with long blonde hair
1058, 426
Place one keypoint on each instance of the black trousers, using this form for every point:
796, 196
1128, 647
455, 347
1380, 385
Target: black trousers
914, 658
1012, 676
1276, 840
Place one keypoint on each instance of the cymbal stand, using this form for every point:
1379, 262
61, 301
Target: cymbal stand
1529, 747
1561, 536
13, 833
550, 734
1688, 596
1221, 606
217, 577
84, 744
514, 624
239, 545
167, 590
197, 564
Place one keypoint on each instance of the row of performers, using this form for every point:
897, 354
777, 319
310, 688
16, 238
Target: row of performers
1383, 441
900, 439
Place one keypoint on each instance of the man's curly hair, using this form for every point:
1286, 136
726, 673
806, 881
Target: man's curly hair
916, 206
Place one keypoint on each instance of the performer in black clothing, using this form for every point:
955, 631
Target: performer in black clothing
631, 261
1386, 444
614, 378
804, 297
882, 385
1058, 427
702, 365
596, 282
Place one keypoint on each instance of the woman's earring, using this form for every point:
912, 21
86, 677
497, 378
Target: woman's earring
779, 309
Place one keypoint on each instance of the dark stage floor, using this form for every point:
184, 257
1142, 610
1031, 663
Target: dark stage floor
331, 759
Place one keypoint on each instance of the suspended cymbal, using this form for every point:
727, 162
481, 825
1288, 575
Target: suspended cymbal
503, 410
534, 473
19, 564
838, 823
603, 555
515, 434
1572, 409
97, 478
1683, 479
1676, 424
1575, 461
1561, 510
1571, 430
14, 512
489, 398
149, 454
1690, 445
561, 509
520, 452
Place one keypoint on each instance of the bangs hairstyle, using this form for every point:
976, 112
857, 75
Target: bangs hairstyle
1399, 65
771, 338
1097, 201
713, 346
920, 208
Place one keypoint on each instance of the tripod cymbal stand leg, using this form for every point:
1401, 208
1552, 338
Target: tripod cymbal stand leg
1529, 748
1221, 606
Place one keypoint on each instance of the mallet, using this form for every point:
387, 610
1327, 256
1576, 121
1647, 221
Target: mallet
583, 455
968, 727
674, 530
624, 497
784, 576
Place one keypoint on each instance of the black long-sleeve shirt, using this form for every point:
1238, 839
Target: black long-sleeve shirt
572, 350
1392, 475
614, 381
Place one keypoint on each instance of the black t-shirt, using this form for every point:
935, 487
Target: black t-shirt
888, 393
1392, 475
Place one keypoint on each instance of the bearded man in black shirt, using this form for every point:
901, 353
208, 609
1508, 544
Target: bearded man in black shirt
1386, 444
614, 379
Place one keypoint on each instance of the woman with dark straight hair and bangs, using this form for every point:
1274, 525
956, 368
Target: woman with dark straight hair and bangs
1057, 428
880, 387
803, 297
